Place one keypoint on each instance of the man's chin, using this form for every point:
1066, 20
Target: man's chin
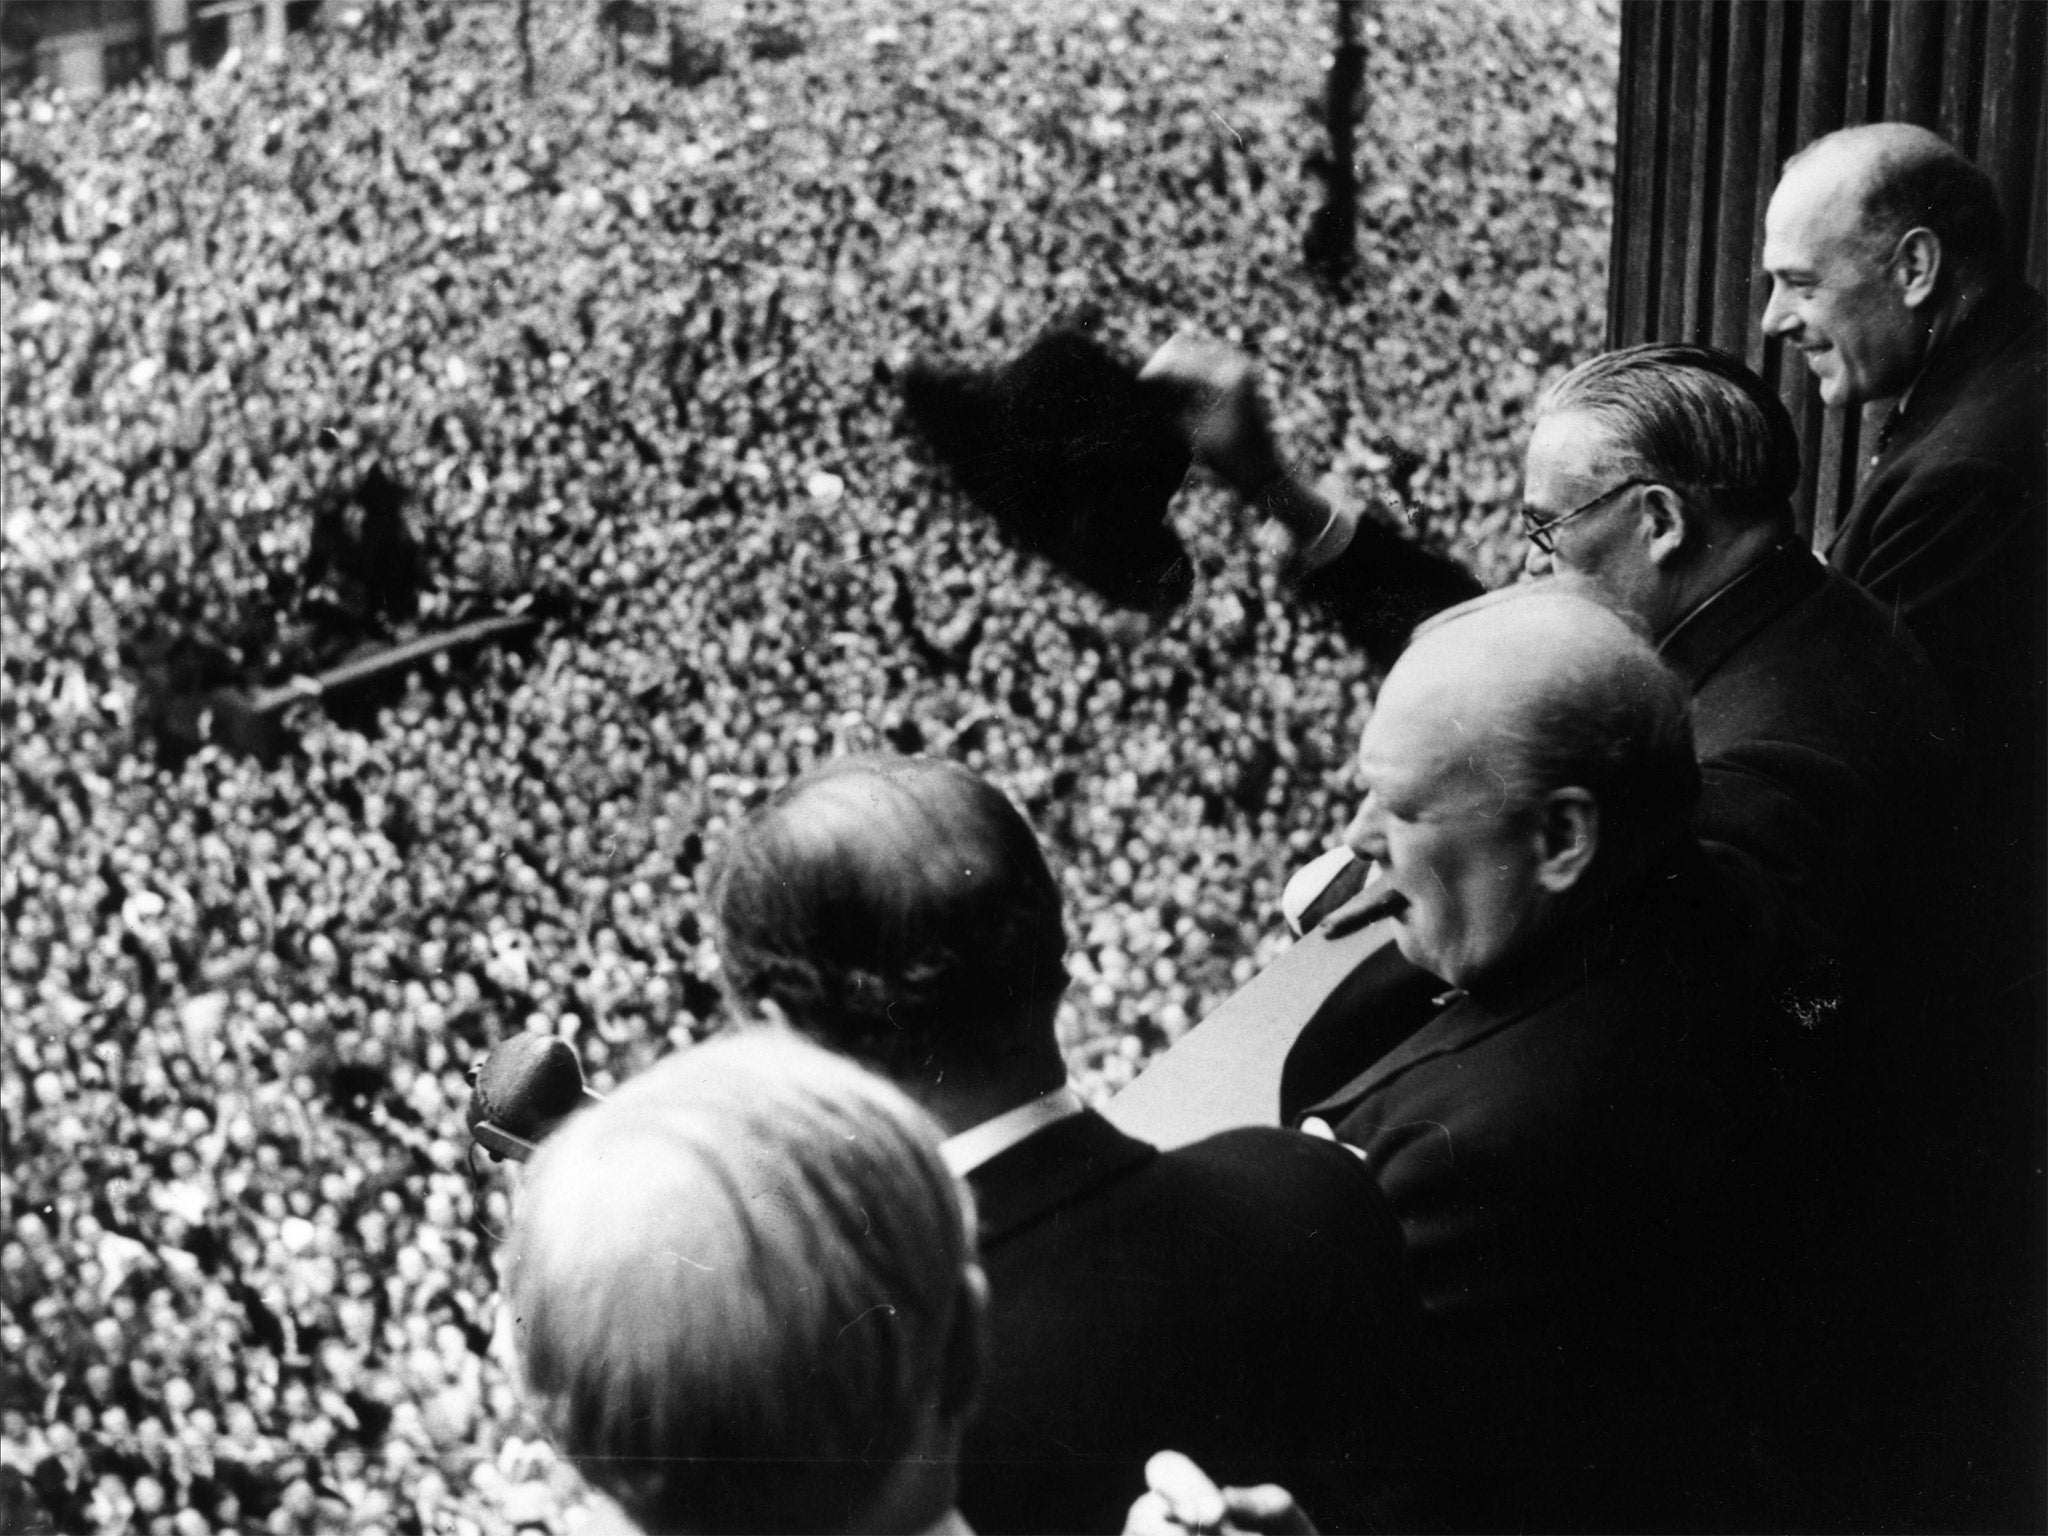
1832, 383
1413, 951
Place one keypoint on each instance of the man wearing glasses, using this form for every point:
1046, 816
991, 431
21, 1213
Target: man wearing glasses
1661, 477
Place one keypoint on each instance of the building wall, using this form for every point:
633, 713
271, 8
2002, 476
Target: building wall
1715, 94
88, 45
82, 45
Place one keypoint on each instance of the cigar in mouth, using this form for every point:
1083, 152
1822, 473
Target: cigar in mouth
1378, 902
1369, 906
1328, 885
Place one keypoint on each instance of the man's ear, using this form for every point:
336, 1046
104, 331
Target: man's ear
1568, 837
966, 1347
1916, 266
1667, 523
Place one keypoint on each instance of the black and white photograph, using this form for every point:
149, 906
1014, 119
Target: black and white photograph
1183, 767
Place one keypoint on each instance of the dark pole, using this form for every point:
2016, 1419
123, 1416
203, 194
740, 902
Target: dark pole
252, 723
1331, 244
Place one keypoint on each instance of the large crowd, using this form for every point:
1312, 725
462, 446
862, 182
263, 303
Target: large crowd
633, 348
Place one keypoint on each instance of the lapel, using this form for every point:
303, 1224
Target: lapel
1054, 1167
2001, 317
1701, 642
2009, 316
1677, 894
1463, 1024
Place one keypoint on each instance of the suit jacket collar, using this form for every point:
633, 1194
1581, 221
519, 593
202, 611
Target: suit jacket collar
1464, 1023
1699, 644
2011, 313
1054, 1167
967, 1150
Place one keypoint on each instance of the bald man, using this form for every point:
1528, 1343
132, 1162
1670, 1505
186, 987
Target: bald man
1567, 1134
743, 1296
1888, 270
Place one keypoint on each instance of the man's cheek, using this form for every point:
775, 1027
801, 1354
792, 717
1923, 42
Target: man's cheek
1422, 929
1420, 951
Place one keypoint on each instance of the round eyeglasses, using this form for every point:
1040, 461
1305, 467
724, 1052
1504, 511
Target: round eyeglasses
1539, 531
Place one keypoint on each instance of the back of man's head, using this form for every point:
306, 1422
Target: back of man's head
743, 1293
1695, 418
899, 910
1564, 693
1909, 177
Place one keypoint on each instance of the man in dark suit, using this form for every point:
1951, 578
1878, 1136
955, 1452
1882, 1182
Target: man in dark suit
1885, 251
1662, 477
1575, 1133
1241, 1300
1888, 270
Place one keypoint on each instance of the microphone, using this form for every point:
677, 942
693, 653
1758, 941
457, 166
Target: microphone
521, 1091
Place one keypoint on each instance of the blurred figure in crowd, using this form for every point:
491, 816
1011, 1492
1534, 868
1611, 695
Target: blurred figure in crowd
1573, 1132
744, 1297
1241, 1299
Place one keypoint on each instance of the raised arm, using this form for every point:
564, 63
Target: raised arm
1374, 581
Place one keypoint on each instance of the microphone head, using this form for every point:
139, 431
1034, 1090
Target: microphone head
523, 1090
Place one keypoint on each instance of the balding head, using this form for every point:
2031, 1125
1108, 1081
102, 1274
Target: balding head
1527, 753
1893, 177
898, 910
744, 1295
1574, 696
1878, 240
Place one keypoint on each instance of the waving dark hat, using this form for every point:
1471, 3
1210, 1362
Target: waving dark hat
1070, 454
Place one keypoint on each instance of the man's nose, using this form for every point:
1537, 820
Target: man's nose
1537, 562
1777, 313
1363, 837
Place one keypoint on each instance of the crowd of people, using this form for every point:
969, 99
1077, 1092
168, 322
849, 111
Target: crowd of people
633, 348
1671, 1164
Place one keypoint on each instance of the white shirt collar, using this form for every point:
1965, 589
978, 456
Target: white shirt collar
607, 1519
979, 1144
